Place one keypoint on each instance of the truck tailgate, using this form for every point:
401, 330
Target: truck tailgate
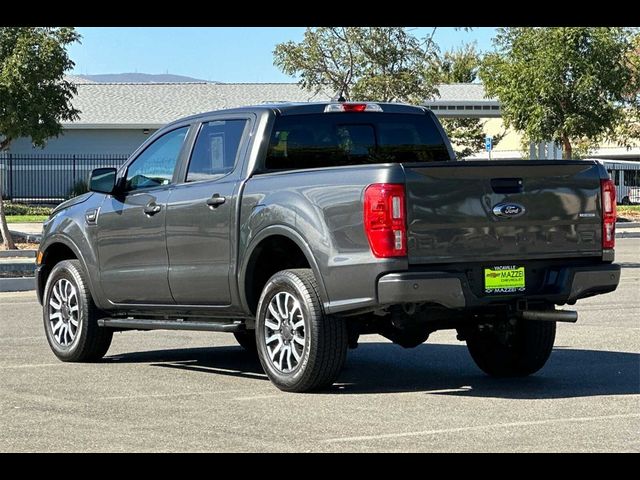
451, 218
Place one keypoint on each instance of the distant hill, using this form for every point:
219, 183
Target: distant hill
140, 78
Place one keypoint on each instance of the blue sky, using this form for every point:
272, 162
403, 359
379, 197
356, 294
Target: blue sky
229, 54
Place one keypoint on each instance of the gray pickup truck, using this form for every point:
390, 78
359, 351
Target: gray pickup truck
299, 227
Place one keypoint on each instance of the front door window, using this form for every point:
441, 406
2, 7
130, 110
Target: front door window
155, 166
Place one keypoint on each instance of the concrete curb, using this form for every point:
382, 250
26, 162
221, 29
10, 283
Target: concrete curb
21, 284
26, 237
628, 234
18, 253
25, 269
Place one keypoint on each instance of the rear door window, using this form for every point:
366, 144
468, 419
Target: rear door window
216, 149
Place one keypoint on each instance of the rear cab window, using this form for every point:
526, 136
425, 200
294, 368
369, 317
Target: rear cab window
341, 139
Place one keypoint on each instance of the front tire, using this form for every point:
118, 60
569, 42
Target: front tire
300, 347
71, 317
512, 350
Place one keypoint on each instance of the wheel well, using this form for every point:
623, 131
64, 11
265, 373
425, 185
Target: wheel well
272, 255
53, 255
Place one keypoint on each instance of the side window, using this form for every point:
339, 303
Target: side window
216, 149
154, 167
631, 178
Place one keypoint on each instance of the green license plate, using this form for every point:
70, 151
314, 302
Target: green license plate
504, 279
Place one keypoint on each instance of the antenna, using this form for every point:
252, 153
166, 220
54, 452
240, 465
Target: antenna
339, 97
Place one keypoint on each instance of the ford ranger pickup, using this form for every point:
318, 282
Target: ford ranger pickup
300, 227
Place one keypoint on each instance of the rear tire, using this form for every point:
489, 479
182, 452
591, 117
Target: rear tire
71, 317
626, 201
300, 347
512, 350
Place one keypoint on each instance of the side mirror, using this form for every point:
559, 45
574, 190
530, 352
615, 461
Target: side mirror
103, 180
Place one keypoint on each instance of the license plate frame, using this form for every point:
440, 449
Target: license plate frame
504, 279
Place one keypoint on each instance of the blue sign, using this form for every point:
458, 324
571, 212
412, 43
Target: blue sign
488, 143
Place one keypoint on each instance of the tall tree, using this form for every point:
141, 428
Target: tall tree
383, 64
566, 84
34, 95
627, 132
361, 63
461, 66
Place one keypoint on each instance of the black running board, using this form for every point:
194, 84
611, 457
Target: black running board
148, 324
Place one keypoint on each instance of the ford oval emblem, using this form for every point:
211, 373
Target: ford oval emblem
508, 210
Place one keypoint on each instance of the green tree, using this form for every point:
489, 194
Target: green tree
461, 66
361, 63
34, 95
566, 84
627, 132
383, 64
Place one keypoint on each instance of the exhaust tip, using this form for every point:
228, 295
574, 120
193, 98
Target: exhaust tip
569, 316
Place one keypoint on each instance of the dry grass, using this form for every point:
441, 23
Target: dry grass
631, 213
22, 246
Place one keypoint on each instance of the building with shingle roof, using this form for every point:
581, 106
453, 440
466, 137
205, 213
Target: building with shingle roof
116, 118
151, 105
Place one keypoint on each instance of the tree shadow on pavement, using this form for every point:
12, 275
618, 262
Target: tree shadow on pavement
430, 368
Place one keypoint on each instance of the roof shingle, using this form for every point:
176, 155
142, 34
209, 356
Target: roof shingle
461, 92
155, 104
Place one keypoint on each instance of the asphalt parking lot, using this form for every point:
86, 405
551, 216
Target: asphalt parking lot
190, 391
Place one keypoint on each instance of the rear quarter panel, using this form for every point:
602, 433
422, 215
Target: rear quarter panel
325, 208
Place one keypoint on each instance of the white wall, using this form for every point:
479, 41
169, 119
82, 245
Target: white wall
94, 141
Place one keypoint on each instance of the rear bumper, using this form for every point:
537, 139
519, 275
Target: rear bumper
452, 290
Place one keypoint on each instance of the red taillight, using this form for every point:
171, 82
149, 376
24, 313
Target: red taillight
385, 219
354, 107
608, 194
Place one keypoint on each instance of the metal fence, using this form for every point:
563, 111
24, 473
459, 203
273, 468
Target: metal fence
49, 178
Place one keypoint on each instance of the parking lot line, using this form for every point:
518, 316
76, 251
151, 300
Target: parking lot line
258, 397
9, 339
478, 428
183, 394
34, 365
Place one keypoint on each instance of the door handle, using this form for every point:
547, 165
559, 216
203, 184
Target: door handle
152, 209
216, 201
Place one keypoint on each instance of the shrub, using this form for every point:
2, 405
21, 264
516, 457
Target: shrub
21, 209
78, 188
